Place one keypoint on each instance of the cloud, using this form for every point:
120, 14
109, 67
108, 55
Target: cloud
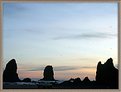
86, 36
57, 68
65, 68
61, 68
36, 69
88, 67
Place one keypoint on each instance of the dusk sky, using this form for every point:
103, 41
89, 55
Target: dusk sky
72, 37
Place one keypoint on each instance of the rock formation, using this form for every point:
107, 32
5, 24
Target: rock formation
77, 80
10, 72
26, 80
71, 80
86, 80
107, 74
48, 73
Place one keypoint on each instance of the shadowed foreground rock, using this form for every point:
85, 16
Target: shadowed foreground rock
86, 80
10, 72
26, 80
48, 73
107, 74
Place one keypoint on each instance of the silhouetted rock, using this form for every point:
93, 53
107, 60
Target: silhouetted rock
26, 80
107, 74
10, 72
66, 84
72, 80
48, 73
77, 80
86, 80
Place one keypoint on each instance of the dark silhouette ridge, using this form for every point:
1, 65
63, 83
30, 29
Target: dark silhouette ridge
106, 78
78, 84
26, 80
77, 80
10, 72
107, 74
48, 73
86, 80
72, 80
71, 83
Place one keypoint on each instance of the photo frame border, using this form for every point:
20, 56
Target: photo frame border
63, 90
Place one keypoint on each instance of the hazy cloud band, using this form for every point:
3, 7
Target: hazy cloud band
62, 68
86, 36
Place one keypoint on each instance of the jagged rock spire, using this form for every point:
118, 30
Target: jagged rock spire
107, 74
10, 72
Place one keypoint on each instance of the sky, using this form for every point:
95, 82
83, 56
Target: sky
72, 37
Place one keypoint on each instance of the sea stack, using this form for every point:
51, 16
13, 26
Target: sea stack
10, 72
107, 74
48, 73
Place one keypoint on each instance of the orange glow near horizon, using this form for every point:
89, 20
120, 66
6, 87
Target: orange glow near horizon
30, 74
66, 75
